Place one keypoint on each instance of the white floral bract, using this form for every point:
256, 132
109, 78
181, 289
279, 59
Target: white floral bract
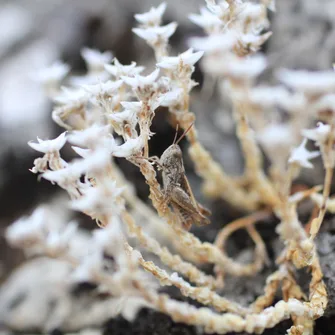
130, 147
103, 88
268, 96
301, 156
154, 35
139, 82
308, 81
318, 134
223, 42
58, 241
90, 136
153, 17
118, 70
95, 60
99, 200
49, 145
206, 19
53, 73
237, 68
71, 96
275, 135
187, 58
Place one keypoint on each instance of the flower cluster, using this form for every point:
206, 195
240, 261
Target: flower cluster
108, 114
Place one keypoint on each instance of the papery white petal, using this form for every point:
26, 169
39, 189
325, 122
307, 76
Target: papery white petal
89, 267
302, 156
52, 74
268, 96
308, 81
171, 98
82, 152
127, 115
71, 96
90, 78
95, 59
117, 69
154, 34
64, 176
130, 147
141, 81
318, 134
132, 105
49, 145
276, 135
103, 88
99, 200
235, 67
28, 229
89, 136
187, 58
153, 16
215, 43
205, 19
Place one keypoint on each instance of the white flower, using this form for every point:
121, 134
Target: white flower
58, 241
153, 17
71, 96
171, 98
252, 42
214, 43
28, 230
99, 200
95, 60
89, 267
103, 88
110, 238
127, 116
207, 20
268, 96
307, 81
301, 155
253, 16
186, 58
294, 103
130, 147
318, 134
104, 93
236, 67
63, 177
219, 9
82, 152
118, 70
154, 35
140, 82
89, 137
52, 74
89, 79
134, 106
275, 135
49, 145
96, 160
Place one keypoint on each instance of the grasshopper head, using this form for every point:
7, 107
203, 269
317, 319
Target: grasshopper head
171, 156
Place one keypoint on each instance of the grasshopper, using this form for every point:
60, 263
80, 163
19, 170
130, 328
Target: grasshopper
177, 191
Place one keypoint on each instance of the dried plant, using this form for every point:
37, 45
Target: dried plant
114, 101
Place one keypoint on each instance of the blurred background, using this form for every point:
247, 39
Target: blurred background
35, 33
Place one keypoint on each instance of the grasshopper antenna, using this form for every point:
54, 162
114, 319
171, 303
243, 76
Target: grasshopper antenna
176, 134
184, 133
